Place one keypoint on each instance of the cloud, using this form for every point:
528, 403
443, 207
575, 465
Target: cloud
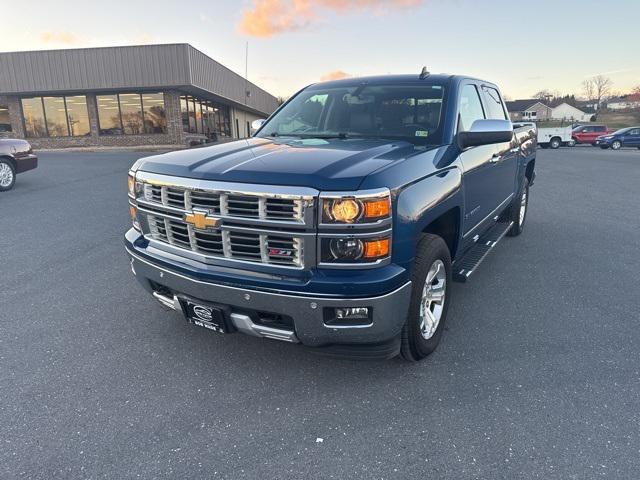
335, 75
66, 38
269, 17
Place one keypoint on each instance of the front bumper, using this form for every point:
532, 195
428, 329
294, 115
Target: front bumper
388, 315
26, 163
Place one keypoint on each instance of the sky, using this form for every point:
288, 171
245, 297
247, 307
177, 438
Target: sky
522, 46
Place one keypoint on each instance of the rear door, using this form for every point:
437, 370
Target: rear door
632, 138
481, 193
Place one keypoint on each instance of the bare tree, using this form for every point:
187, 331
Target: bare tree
543, 95
597, 88
588, 89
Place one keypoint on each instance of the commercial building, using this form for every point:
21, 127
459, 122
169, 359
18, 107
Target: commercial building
125, 96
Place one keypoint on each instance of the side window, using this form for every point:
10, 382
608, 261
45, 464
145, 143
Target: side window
635, 131
495, 110
599, 129
470, 108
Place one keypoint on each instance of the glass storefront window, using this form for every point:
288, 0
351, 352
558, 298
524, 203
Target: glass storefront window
5, 121
207, 117
184, 109
131, 113
78, 116
56, 116
155, 119
192, 115
109, 115
33, 117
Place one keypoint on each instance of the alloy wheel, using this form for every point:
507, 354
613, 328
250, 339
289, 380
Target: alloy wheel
6, 175
432, 301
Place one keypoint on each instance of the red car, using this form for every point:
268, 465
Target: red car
589, 133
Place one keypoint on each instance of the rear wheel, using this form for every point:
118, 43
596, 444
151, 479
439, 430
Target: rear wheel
7, 176
518, 210
616, 145
430, 297
555, 143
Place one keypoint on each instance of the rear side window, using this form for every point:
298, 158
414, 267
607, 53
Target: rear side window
470, 108
599, 128
495, 110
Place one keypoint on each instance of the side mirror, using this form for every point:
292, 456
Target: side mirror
486, 132
257, 124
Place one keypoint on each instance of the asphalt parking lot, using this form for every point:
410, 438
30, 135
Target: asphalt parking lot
537, 376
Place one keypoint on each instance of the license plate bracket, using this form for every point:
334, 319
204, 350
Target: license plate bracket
207, 315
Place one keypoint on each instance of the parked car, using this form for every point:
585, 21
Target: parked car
16, 156
341, 224
589, 133
625, 137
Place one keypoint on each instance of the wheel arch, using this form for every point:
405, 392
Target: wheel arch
9, 159
447, 227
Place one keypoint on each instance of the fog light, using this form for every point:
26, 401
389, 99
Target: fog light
352, 313
348, 317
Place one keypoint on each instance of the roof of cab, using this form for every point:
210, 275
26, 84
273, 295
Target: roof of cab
406, 78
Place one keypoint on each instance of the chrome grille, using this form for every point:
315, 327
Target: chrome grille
280, 249
269, 225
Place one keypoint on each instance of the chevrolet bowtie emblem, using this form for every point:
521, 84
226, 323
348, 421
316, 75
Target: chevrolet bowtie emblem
200, 220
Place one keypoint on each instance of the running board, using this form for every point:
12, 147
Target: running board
463, 268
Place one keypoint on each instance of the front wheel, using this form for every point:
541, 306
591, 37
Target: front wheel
571, 143
430, 297
7, 176
616, 145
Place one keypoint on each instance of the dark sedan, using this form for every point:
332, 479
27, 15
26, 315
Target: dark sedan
16, 156
625, 137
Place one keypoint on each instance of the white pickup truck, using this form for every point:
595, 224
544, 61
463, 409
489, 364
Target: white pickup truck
551, 137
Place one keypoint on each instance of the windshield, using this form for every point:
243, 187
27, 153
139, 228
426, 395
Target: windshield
407, 112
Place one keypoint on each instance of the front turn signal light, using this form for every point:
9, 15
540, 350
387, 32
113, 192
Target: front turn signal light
134, 217
376, 248
380, 208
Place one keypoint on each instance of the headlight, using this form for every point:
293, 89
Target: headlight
356, 209
355, 250
131, 183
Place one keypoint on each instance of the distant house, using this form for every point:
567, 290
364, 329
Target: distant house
530, 110
569, 113
624, 102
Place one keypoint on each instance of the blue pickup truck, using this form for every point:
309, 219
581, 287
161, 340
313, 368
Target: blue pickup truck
341, 224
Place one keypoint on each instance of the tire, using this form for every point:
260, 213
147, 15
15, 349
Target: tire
616, 145
420, 338
7, 175
516, 213
555, 143
571, 143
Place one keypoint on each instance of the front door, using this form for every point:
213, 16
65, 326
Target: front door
482, 193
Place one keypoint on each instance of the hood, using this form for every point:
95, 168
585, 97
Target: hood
336, 164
